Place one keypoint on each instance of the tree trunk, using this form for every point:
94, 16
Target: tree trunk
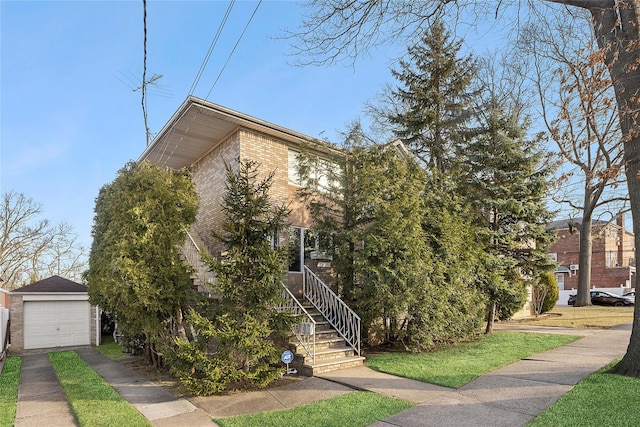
180, 331
583, 297
492, 315
617, 29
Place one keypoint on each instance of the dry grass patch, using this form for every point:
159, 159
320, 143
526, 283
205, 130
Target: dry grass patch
594, 316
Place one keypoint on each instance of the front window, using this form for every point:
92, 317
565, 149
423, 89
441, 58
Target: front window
322, 172
292, 167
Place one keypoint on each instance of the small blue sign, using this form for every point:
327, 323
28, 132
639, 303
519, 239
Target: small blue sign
287, 356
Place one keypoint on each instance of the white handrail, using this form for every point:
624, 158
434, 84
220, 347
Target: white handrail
343, 319
290, 304
191, 252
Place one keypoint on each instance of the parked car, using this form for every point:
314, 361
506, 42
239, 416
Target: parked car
629, 294
606, 298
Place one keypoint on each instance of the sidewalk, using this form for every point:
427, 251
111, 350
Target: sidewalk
509, 396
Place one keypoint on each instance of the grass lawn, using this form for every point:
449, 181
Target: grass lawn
359, 408
594, 316
9, 382
454, 367
110, 349
599, 400
94, 402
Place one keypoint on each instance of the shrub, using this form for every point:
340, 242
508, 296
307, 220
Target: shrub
546, 292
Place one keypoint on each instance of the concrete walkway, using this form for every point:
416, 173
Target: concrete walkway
510, 396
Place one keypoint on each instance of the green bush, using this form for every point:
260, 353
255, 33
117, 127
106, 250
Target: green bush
222, 353
511, 298
548, 286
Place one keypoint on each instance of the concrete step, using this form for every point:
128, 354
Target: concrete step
333, 365
321, 344
330, 355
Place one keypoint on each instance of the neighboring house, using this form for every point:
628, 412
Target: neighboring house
53, 312
4, 297
4, 320
205, 137
612, 257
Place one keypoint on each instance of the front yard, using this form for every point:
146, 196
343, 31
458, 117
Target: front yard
598, 400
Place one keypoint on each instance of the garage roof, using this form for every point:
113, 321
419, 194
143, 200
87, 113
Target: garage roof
52, 284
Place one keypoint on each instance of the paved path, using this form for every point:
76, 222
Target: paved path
41, 401
509, 396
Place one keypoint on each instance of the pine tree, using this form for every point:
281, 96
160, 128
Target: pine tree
249, 275
387, 271
506, 187
435, 98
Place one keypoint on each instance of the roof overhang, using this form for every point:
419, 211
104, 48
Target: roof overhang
198, 126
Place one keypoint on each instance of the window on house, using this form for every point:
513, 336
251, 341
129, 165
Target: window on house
560, 280
322, 174
292, 167
554, 256
611, 259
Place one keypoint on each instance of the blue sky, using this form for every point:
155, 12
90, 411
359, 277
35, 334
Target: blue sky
69, 116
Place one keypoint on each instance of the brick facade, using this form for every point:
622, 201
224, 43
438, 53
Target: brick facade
612, 262
16, 308
205, 138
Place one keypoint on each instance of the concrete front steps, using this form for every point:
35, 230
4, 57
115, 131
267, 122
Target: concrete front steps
332, 351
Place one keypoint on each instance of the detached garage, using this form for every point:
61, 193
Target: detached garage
53, 312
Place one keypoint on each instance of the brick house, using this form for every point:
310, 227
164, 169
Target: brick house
205, 137
612, 258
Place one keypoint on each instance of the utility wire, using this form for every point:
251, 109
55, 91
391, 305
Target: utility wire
211, 47
143, 87
234, 49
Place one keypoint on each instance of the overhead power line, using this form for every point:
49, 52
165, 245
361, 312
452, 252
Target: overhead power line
211, 47
143, 87
234, 49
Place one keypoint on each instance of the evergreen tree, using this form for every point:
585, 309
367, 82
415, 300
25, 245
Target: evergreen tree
435, 100
135, 269
232, 339
373, 227
249, 275
506, 187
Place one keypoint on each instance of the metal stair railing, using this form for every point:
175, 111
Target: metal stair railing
191, 253
342, 318
306, 334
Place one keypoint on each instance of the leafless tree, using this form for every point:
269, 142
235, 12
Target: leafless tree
578, 108
31, 248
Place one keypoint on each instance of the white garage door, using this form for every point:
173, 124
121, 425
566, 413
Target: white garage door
56, 324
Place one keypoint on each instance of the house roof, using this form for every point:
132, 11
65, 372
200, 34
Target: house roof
198, 126
564, 223
52, 284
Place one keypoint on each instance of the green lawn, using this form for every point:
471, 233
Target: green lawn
9, 382
94, 402
359, 408
110, 349
601, 399
454, 367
